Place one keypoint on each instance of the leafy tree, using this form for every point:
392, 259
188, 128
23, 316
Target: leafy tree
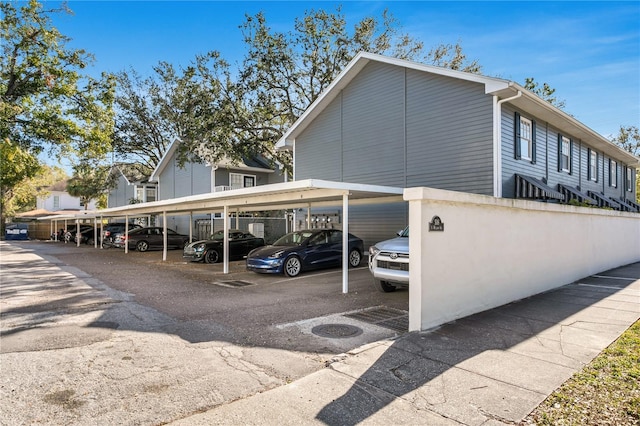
26, 193
217, 111
545, 92
89, 182
16, 165
46, 103
284, 72
629, 139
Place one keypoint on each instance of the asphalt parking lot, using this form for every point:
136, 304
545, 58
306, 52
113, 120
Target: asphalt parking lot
242, 307
91, 336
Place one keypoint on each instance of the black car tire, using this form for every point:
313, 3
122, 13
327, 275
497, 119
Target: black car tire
142, 246
354, 258
292, 266
211, 256
384, 286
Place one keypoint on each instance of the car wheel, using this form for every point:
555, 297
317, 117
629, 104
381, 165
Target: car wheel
142, 246
354, 258
211, 256
292, 266
384, 286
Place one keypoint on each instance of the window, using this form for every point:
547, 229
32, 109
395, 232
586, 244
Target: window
151, 194
56, 202
592, 171
565, 155
140, 193
525, 143
613, 173
237, 180
629, 179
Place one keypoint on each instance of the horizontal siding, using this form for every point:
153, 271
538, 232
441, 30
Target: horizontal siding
449, 134
373, 126
372, 223
318, 150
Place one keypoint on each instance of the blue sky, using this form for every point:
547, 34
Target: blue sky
588, 51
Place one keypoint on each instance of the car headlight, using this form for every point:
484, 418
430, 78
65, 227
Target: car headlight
373, 251
199, 247
277, 254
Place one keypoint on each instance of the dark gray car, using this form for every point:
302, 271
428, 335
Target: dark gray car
143, 239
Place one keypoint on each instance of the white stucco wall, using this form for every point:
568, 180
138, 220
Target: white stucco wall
494, 251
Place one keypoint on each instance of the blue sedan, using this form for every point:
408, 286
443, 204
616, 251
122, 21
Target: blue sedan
304, 250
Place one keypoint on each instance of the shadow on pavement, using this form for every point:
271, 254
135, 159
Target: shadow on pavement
413, 366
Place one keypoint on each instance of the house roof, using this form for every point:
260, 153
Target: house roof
503, 89
255, 163
131, 172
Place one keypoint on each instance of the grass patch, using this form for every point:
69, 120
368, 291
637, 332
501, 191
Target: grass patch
605, 392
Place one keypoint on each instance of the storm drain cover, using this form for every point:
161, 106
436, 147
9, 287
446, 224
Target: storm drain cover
336, 331
394, 319
234, 283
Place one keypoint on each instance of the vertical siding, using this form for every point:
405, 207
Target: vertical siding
449, 134
166, 181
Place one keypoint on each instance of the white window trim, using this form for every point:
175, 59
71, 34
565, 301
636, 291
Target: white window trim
629, 179
613, 172
566, 143
242, 177
593, 166
528, 155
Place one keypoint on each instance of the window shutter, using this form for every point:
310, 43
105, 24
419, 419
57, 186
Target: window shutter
570, 156
518, 154
533, 142
588, 163
559, 152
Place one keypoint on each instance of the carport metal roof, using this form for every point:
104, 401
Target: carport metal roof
279, 196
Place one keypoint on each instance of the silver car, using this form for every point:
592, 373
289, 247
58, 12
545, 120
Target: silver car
389, 262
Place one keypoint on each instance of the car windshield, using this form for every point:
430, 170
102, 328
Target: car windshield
293, 239
405, 233
218, 235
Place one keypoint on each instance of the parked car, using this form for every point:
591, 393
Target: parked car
87, 235
70, 234
211, 250
143, 239
110, 231
389, 262
304, 250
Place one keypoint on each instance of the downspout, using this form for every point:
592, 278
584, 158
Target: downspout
497, 143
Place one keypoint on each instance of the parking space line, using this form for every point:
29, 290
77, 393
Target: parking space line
300, 277
605, 286
614, 278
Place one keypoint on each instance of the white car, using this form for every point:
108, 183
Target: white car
389, 262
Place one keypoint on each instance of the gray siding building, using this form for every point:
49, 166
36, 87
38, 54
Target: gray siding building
391, 122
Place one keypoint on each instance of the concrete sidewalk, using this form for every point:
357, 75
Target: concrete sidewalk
488, 369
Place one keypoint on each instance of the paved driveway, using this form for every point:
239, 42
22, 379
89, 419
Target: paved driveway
103, 337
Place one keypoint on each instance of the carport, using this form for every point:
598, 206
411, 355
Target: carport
310, 193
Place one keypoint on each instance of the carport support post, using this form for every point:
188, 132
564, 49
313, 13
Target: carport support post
345, 243
190, 227
101, 232
309, 216
164, 236
126, 233
225, 248
78, 233
95, 232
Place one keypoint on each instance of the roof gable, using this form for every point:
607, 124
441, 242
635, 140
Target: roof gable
502, 89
